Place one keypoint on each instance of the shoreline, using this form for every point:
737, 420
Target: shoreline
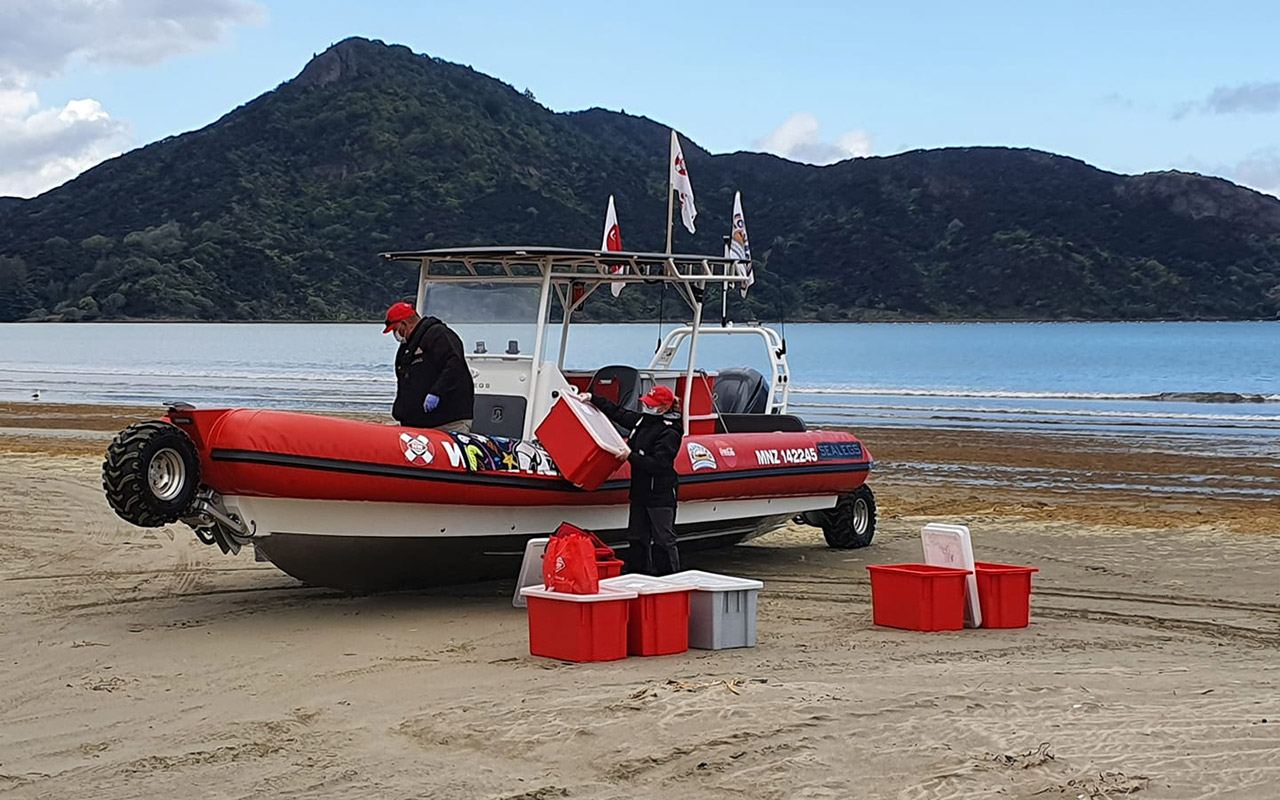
1049, 476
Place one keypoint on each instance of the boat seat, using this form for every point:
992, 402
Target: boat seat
619, 383
740, 390
759, 423
499, 415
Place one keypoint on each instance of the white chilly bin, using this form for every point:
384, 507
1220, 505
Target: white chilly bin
722, 610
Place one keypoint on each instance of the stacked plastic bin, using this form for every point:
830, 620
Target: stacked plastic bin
644, 616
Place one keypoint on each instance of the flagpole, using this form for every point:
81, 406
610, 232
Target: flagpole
671, 157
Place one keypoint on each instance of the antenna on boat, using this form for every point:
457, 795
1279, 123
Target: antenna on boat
662, 299
782, 310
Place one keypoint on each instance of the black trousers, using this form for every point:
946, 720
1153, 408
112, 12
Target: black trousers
651, 540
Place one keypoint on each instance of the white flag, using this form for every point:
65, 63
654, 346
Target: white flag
680, 182
740, 245
613, 242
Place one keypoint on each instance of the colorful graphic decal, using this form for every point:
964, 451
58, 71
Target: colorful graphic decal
839, 451
700, 457
495, 454
786, 455
417, 449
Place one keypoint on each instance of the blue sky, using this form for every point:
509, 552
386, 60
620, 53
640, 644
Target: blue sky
1129, 87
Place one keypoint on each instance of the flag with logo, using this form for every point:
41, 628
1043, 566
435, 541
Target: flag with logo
680, 182
740, 245
612, 242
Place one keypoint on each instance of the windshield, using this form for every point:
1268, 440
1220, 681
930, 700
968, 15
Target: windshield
493, 319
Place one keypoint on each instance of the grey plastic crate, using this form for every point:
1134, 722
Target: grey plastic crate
722, 610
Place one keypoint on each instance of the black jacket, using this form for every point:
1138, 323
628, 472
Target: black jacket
431, 362
654, 441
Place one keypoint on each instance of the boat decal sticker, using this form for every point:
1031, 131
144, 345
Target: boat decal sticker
496, 454
700, 457
782, 456
832, 451
417, 449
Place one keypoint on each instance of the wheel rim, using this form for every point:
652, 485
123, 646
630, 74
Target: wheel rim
167, 474
861, 516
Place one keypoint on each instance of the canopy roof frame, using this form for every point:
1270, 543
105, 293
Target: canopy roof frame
556, 269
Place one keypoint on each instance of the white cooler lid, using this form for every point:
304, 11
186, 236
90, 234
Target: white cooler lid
950, 546
605, 594
597, 424
712, 582
644, 584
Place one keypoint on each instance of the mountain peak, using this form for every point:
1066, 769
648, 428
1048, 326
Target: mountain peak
345, 59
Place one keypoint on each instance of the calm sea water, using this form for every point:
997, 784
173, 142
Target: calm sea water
1041, 376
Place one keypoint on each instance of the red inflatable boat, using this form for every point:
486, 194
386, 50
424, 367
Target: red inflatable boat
363, 505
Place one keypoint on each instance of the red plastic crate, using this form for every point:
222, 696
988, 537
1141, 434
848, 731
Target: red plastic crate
609, 568
1005, 593
659, 619
578, 627
917, 597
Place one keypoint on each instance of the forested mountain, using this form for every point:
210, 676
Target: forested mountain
277, 211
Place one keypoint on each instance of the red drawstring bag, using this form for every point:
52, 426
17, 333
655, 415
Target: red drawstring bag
569, 564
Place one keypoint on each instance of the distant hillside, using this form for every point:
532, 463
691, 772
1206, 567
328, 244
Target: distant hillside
277, 211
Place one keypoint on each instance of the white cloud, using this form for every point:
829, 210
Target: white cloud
39, 38
799, 139
43, 147
1260, 170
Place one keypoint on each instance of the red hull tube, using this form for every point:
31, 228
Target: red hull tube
268, 460
283, 454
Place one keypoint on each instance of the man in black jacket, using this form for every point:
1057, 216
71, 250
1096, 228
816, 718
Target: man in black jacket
434, 388
654, 441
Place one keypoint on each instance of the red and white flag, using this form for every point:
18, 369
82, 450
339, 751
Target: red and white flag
680, 182
612, 242
740, 245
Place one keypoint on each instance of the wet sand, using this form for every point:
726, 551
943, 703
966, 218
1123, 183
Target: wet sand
140, 662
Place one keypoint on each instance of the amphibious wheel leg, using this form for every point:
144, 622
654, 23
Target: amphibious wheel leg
151, 474
852, 523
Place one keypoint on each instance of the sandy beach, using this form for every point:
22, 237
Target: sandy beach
141, 663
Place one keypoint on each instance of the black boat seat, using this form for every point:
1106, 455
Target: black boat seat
618, 383
740, 390
759, 423
499, 415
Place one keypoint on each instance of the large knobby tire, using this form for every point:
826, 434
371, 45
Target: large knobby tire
151, 473
852, 523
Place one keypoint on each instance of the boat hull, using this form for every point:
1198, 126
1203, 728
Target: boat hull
359, 505
407, 549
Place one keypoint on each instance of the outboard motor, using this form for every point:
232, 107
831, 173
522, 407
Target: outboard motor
741, 390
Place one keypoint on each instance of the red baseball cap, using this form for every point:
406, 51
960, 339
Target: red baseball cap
398, 312
658, 396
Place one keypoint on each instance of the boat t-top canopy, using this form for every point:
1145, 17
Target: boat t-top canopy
574, 275
561, 264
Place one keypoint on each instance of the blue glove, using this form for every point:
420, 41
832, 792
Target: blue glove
430, 403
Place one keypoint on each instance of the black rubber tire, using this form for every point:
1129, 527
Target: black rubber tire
126, 473
852, 523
